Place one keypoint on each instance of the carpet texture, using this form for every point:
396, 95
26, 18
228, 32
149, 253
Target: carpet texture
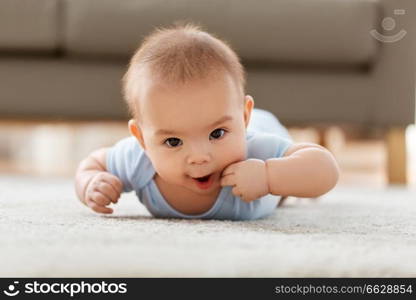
46, 232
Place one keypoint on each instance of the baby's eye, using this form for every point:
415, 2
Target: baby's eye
172, 142
217, 133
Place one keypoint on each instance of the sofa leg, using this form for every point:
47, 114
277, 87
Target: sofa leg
395, 140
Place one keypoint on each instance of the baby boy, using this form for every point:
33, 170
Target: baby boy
198, 149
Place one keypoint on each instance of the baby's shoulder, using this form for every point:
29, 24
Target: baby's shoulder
265, 145
128, 149
127, 159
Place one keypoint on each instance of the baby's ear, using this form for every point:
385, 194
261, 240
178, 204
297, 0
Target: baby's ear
248, 108
136, 132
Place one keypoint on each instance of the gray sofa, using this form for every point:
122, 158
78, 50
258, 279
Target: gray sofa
308, 61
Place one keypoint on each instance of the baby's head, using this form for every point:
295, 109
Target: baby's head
185, 91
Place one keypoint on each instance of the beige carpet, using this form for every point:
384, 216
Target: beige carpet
46, 232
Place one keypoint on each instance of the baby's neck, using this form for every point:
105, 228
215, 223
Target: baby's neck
184, 200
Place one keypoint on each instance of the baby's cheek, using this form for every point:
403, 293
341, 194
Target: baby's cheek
159, 164
233, 155
164, 168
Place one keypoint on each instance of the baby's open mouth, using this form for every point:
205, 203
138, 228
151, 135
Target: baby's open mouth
204, 182
203, 179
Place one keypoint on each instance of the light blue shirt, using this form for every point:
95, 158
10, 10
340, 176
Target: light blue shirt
266, 138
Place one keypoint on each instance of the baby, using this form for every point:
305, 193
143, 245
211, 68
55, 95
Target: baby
198, 148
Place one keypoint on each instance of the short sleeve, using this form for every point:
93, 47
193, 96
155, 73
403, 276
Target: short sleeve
264, 146
281, 145
127, 160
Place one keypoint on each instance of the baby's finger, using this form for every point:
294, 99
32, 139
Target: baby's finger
100, 209
114, 182
247, 198
110, 179
228, 180
100, 199
108, 190
236, 191
228, 170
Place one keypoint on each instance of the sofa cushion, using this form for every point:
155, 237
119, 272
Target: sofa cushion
305, 31
28, 25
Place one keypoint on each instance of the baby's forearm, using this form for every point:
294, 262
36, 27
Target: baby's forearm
87, 169
308, 172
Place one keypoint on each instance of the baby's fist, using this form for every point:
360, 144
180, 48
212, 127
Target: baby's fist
102, 190
248, 179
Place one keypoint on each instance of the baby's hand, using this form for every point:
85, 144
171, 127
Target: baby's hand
248, 177
102, 190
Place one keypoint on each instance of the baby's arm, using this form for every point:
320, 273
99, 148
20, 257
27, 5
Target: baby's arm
95, 187
306, 170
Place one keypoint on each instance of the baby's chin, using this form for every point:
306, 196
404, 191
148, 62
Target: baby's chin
213, 192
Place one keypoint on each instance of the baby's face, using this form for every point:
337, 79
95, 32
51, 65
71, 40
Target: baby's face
195, 130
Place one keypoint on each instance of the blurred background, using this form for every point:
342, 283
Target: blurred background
340, 73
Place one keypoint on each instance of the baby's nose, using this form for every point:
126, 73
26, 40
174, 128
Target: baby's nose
198, 153
198, 159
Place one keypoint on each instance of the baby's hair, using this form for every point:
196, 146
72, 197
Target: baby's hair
177, 55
